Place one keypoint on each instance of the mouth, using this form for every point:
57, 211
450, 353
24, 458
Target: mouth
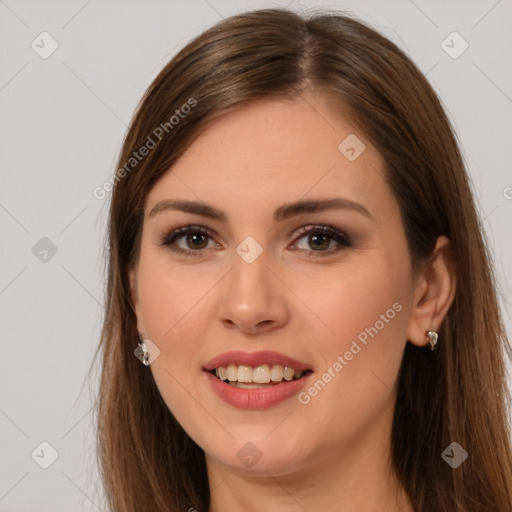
262, 376
256, 380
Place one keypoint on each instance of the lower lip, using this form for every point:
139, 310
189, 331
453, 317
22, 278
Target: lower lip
257, 398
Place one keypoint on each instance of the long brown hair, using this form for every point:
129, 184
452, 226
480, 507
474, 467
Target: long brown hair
457, 394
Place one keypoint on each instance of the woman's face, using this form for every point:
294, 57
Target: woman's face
337, 303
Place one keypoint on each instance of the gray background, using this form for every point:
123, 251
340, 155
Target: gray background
62, 123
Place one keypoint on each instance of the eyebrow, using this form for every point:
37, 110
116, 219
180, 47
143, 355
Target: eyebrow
284, 212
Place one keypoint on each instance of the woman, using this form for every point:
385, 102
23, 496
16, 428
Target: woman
296, 262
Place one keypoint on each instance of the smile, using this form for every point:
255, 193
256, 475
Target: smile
242, 375
256, 395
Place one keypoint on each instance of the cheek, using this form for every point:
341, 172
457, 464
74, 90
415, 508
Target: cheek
172, 308
364, 319
170, 297
346, 302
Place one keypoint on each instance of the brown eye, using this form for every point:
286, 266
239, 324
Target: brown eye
195, 238
320, 238
319, 241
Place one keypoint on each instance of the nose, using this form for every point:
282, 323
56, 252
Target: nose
253, 297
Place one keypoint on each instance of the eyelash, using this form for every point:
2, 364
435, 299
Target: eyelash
341, 238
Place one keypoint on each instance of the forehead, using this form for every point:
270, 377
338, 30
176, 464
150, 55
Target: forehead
273, 152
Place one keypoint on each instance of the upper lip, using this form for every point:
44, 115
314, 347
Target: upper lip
254, 359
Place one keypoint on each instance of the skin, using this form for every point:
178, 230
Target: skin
335, 449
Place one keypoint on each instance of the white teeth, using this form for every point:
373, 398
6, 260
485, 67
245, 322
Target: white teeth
244, 373
277, 373
262, 374
232, 372
288, 373
247, 386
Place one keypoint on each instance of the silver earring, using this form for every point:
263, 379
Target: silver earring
143, 345
432, 339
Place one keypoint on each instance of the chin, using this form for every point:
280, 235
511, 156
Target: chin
259, 455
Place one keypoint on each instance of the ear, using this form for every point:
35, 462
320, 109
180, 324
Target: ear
433, 293
134, 296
